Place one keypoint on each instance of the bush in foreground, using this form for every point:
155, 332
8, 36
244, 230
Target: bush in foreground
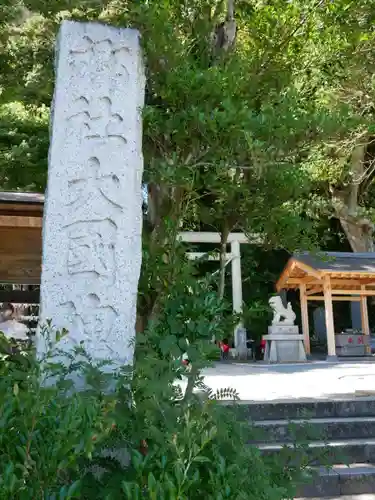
133, 434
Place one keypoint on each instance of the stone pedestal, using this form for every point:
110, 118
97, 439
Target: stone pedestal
92, 214
284, 344
240, 343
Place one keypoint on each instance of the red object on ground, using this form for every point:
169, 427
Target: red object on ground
224, 347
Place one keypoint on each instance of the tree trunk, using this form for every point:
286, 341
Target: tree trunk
358, 229
359, 232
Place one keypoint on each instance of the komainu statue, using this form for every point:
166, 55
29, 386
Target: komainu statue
279, 311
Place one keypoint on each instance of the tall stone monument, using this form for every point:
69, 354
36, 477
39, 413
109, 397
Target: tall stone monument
93, 215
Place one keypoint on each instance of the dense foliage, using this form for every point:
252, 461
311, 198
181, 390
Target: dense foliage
24, 146
135, 434
236, 135
224, 134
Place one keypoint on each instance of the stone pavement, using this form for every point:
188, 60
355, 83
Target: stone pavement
350, 497
303, 381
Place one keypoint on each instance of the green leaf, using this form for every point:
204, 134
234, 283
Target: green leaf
73, 490
202, 459
152, 484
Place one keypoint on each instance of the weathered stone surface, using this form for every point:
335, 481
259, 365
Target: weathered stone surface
324, 484
283, 329
93, 218
285, 350
339, 409
318, 429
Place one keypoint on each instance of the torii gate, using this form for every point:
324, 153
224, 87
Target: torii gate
234, 256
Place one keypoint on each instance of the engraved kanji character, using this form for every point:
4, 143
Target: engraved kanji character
92, 249
97, 119
91, 321
94, 183
102, 54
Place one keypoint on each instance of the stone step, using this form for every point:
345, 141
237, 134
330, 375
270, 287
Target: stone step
315, 429
326, 433
342, 451
341, 481
343, 408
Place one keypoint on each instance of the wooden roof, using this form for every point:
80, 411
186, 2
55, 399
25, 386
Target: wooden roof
19, 204
343, 262
347, 271
21, 221
19, 197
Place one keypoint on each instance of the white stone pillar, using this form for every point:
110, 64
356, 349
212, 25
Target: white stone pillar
236, 284
93, 214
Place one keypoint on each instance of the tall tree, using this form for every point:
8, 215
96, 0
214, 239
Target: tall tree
243, 101
341, 166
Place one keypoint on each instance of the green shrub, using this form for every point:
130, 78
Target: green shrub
215, 355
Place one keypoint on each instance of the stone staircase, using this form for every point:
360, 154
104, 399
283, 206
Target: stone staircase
339, 434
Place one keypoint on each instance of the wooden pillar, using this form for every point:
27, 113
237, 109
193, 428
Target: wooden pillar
364, 313
305, 317
330, 327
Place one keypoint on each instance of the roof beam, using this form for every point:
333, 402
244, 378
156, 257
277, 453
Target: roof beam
357, 274
284, 275
368, 281
315, 290
366, 293
18, 197
290, 267
334, 298
313, 282
309, 270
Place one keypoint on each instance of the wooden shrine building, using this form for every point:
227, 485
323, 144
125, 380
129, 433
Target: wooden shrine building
329, 277
21, 221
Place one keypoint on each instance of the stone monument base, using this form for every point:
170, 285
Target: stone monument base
284, 344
